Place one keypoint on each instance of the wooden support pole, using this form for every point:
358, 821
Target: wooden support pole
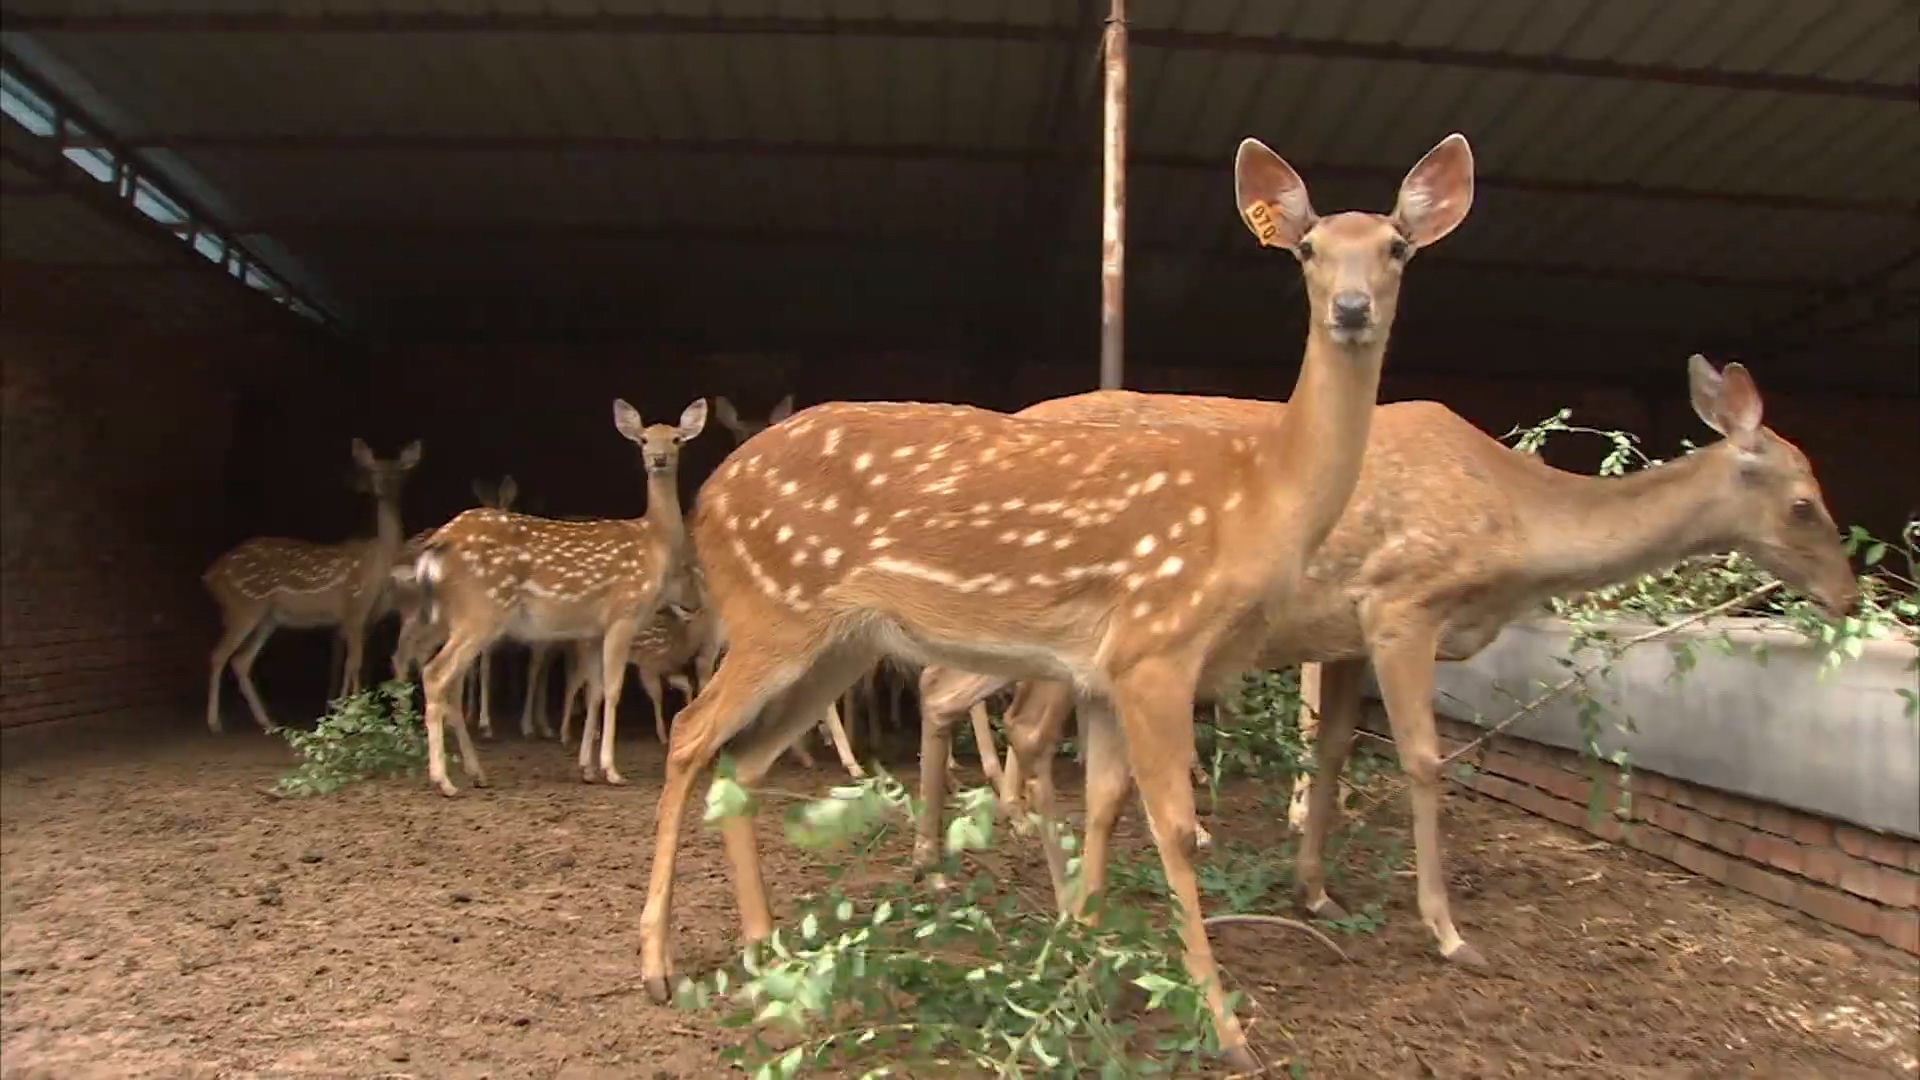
1113, 195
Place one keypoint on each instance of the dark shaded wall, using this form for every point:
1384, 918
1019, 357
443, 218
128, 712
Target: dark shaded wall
117, 488
543, 412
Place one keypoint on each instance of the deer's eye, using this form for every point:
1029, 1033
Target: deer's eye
1305, 250
1399, 250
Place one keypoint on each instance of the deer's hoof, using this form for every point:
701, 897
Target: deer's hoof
1327, 910
1240, 1059
478, 780
1202, 839
658, 990
446, 788
588, 776
1466, 956
615, 778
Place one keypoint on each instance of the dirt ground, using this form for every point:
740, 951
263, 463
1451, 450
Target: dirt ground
161, 917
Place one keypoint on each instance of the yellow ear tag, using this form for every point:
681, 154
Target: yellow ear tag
1260, 217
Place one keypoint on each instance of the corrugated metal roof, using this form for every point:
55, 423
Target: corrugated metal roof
1670, 173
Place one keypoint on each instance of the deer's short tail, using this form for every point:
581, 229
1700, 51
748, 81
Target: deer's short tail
427, 571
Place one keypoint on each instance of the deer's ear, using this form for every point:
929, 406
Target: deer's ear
508, 492
781, 411
626, 419
693, 419
728, 416
1437, 193
410, 456
1271, 197
482, 494
1740, 407
1703, 389
362, 454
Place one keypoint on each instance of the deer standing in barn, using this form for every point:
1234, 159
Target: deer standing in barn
1450, 536
1129, 561
420, 638
270, 582
490, 573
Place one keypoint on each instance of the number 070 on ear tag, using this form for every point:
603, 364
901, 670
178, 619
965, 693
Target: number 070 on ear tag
1264, 223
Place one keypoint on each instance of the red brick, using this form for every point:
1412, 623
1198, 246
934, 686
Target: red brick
1850, 840
1777, 820
1812, 831
1731, 837
1830, 906
1651, 785
1900, 929
1913, 857
1775, 851
1703, 861
1823, 864
1539, 802
1653, 840
1895, 888
1740, 809
1762, 883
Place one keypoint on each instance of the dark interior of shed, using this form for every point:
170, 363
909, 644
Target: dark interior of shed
477, 229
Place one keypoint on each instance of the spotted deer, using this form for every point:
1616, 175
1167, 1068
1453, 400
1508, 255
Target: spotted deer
419, 637
1450, 536
835, 732
661, 652
491, 573
270, 582
1126, 560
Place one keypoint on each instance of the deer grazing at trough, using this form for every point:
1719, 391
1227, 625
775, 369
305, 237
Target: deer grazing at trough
1450, 536
490, 573
270, 582
1129, 561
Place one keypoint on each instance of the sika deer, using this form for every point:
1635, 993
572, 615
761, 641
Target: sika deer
420, 638
743, 429
1449, 537
269, 582
489, 573
1129, 561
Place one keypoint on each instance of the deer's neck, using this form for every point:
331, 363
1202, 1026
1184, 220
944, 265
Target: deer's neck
1316, 446
663, 510
1584, 532
387, 533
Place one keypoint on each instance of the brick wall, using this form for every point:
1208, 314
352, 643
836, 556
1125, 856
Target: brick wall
114, 470
1861, 881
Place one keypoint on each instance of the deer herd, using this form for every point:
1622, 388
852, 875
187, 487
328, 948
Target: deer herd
1116, 557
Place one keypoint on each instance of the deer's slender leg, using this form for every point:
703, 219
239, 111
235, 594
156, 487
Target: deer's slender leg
336, 664
656, 693
1404, 662
243, 672
1338, 691
1108, 784
577, 672
944, 694
614, 651
754, 754
444, 677
1155, 705
531, 709
486, 694
234, 635
751, 675
837, 733
983, 741
355, 633
1312, 703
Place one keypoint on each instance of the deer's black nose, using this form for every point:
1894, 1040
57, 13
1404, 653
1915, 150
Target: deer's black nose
1352, 310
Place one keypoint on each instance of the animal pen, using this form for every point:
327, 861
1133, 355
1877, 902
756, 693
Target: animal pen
339, 273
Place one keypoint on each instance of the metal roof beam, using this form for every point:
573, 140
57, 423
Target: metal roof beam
607, 22
367, 235
1056, 153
